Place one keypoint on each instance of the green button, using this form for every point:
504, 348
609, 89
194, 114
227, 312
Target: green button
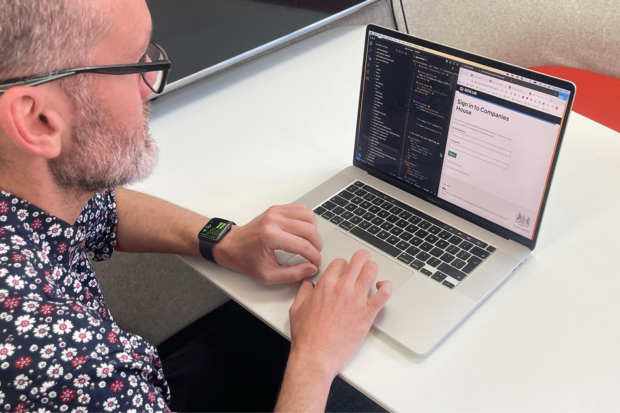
452, 154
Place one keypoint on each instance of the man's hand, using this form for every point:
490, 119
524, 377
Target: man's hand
328, 324
249, 249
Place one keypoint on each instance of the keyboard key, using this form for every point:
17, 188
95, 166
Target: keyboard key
406, 258
339, 201
436, 252
426, 272
413, 251
359, 211
357, 200
444, 235
386, 226
480, 253
383, 214
378, 201
406, 236
396, 231
434, 230
402, 245
393, 219
451, 271
361, 193
415, 219
432, 239
319, 210
372, 240
416, 241
417, 264
421, 233
377, 221
352, 188
383, 234
405, 215
448, 284
422, 256
346, 225
392, 239
438, 276
491, 248
396, 210
328, 215
368, 216
402, 223
434, 262
365, 205
369, 197
426, 246
329, 205
358, 183
387, 206
347, 215
373, 230
356, 220
480, 243
351, 207
471, 265
463, 255
336, 220
453, 250
447, 258
374, 209
465, 245
458, 263
411, 228
442, 244
455, 240
346, 195
424, 225
338, 210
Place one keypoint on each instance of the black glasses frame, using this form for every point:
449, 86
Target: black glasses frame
163, 65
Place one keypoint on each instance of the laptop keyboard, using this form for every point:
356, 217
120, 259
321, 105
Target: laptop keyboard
430, 246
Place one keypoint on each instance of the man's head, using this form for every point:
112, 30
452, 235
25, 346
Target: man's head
89, 131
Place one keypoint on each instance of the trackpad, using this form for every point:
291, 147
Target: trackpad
337, 244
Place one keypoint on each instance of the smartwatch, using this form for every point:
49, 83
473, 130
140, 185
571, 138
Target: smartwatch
211, 234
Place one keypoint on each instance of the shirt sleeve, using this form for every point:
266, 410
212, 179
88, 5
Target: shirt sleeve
102, 223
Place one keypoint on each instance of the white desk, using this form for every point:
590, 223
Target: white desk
267, 132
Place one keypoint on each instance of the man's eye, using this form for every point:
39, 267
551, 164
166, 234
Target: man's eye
142, 59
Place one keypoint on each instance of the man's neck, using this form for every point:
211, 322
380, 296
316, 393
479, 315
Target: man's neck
43, 192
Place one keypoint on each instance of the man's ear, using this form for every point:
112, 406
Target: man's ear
34, 118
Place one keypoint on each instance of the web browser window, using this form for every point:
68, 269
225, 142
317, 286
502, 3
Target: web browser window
469, 134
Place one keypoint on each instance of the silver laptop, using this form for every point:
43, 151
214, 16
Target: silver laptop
452, 165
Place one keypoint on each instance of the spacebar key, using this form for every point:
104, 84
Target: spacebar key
374, 241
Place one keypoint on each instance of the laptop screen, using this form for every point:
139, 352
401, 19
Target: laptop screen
480, 138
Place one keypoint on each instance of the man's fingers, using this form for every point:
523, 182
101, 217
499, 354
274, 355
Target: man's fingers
305, 289
303, 230
356, 264
300, 212
290, 273
367, 277
377, 301
297, 245
334, 270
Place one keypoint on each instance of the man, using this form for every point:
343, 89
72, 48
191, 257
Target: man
66, 138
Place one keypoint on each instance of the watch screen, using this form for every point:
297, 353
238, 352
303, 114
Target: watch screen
214, 229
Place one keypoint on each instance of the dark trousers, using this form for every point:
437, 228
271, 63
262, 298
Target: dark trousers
231, 361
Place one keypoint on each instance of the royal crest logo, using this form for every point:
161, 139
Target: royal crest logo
523, 220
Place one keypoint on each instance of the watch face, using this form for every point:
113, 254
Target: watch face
214, 229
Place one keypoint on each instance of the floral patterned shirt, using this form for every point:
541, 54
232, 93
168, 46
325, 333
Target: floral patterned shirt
60, 349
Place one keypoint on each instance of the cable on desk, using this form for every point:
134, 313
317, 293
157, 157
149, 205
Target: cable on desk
394, 15
404, 16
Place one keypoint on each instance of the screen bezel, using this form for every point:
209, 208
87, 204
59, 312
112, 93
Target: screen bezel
458, 211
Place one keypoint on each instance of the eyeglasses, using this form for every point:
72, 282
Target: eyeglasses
153, 65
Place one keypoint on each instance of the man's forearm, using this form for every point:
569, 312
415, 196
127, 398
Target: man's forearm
305, 387
149, 224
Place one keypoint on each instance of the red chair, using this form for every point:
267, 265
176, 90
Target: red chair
598, 96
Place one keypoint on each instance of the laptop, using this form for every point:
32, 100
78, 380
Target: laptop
453, 157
